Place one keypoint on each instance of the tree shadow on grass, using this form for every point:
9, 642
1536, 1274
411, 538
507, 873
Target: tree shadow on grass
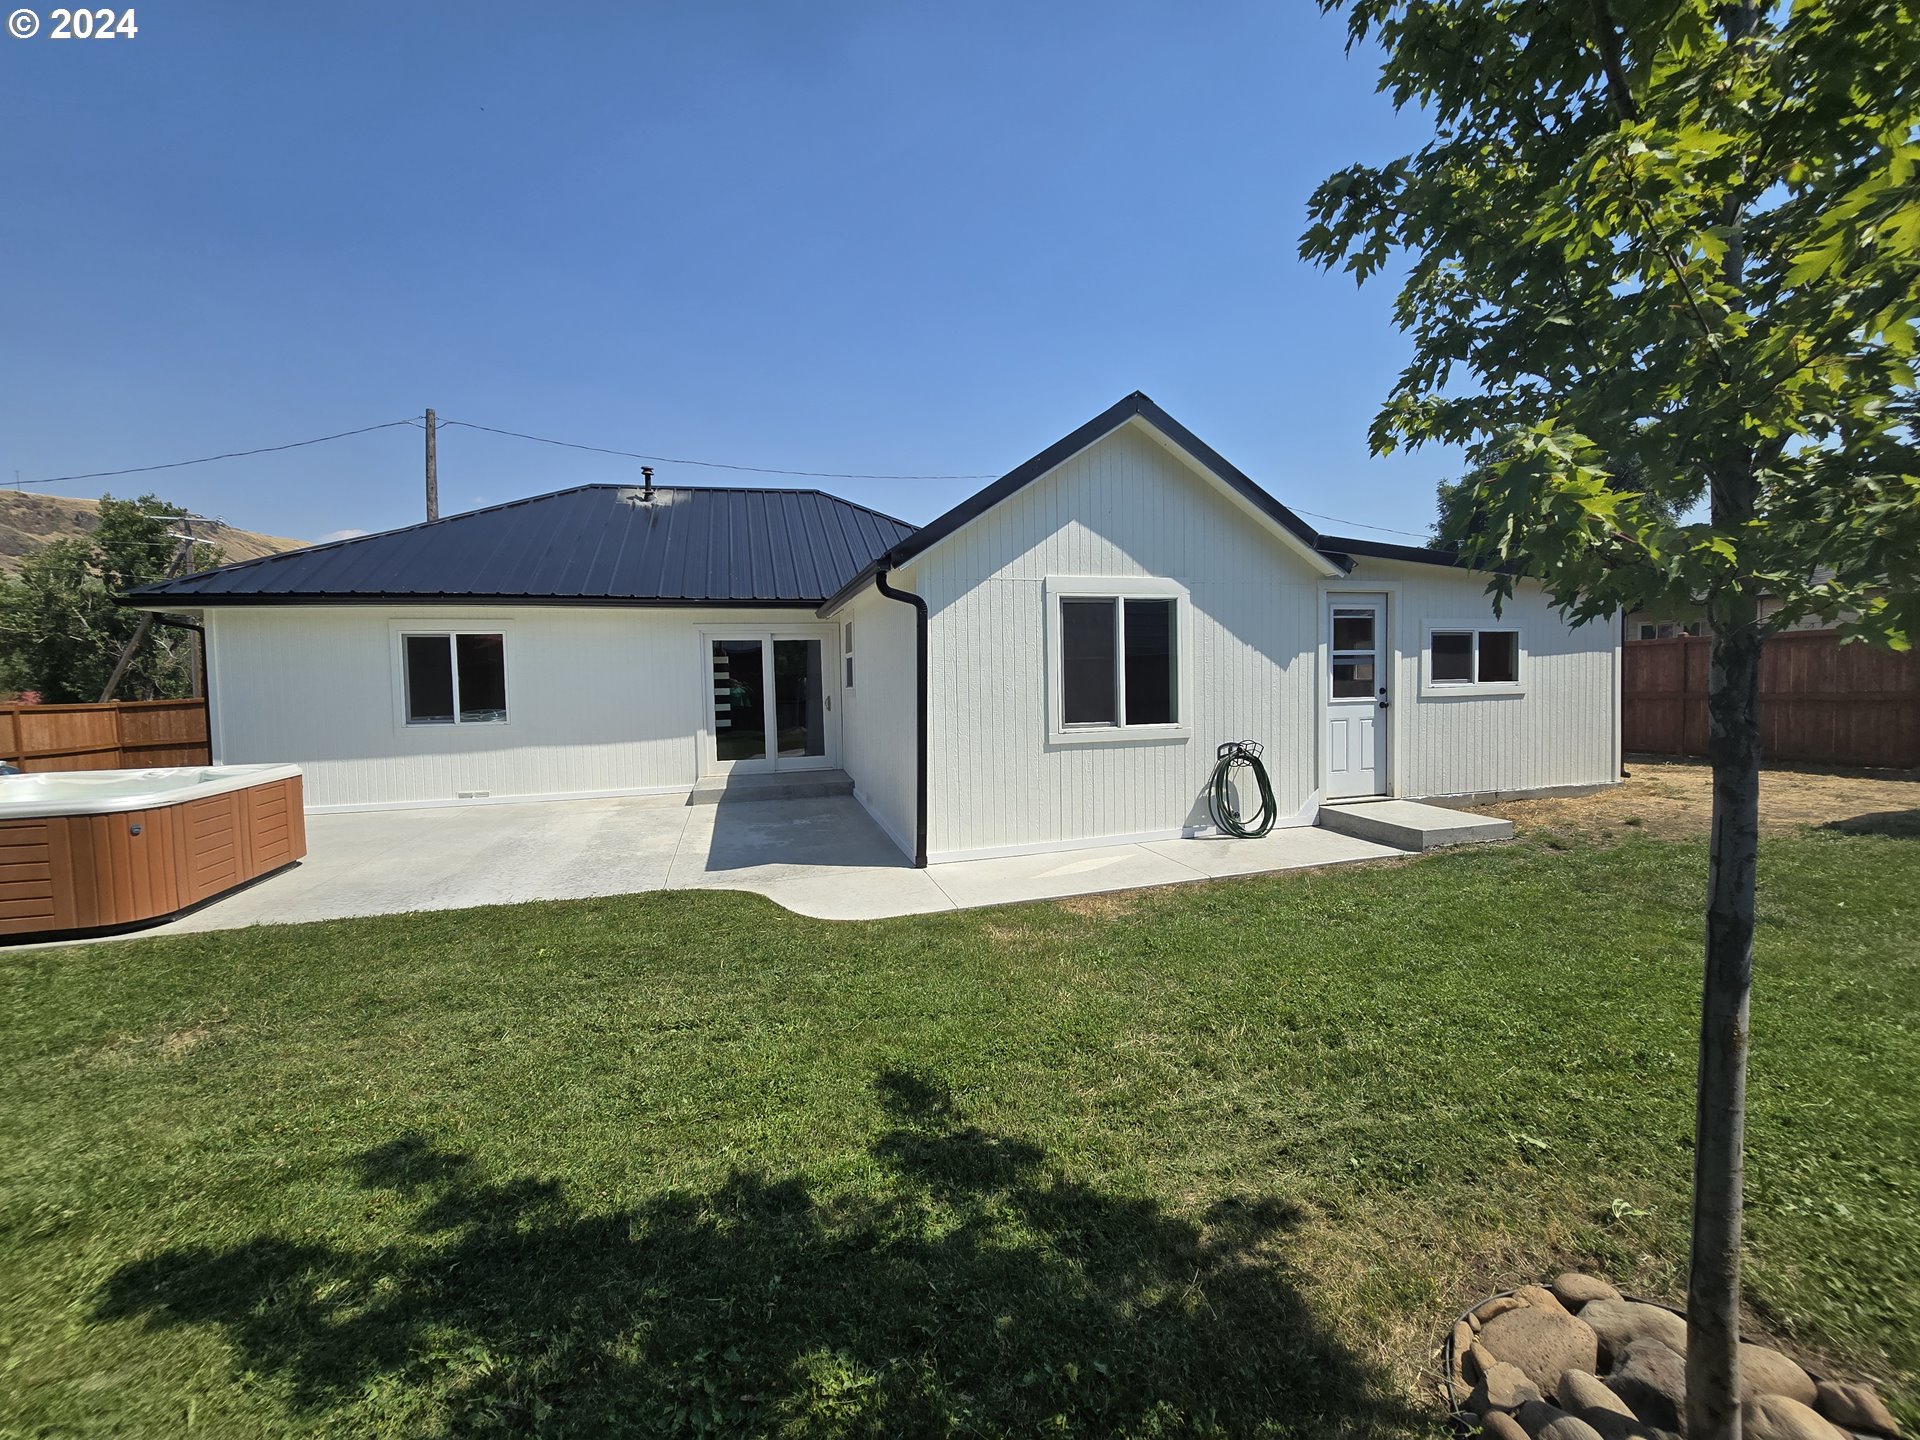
1900, 824
967, 1289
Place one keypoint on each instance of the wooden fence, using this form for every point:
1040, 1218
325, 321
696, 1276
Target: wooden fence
120, 735
1821, 702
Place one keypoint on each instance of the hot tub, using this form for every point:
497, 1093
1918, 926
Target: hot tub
108, 849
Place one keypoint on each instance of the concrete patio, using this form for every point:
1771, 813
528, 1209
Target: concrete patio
823, 857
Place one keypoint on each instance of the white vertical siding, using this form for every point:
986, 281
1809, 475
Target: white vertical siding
1561, 732
1125, 507
882, 712
599, 700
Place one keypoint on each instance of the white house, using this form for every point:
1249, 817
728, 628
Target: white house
1052, 664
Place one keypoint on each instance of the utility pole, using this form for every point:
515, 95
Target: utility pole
433, 472
195, 660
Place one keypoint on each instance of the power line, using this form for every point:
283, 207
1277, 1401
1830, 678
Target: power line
823, 474
415, 422
705, 464
209, 459
1362, 525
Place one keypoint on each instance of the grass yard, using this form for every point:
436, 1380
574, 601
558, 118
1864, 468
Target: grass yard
1215, 1159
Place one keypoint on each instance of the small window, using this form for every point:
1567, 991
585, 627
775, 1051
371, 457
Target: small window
846, 642
1475, 657
1152, 688
429, 680
1119, 661
1089, 694
1452, 657
1499, 657
458, 679
1649, 632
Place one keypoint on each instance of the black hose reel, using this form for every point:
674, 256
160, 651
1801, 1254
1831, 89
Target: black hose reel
1230, 759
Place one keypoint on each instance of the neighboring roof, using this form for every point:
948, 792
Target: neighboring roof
593, 544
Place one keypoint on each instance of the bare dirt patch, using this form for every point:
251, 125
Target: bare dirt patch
1673, 799
1111, 905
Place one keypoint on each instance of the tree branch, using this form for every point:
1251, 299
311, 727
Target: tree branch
1673, 263
1613, 62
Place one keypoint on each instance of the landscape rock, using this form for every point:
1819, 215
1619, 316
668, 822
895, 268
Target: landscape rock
1498, 1305
1856, 1406
1540, 1298
1462, 1352
1614, 1426
1502, 1387
1579, 1390
1482, 1360
1652, 1379
1775, 1417
1544, 1343
1765, 1371
1575, 1288
1549, 1422
1501, 1426
1618, 1323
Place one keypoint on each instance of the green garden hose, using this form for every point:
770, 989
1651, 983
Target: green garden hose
1235, 755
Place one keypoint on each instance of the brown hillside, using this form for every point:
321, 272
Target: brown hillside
28, 522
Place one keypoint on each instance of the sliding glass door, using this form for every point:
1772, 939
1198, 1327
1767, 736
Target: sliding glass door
772, 702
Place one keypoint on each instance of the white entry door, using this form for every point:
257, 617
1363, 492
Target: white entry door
1357, 697
771, 701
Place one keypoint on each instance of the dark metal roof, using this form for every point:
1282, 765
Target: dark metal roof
593, 545
1335, 546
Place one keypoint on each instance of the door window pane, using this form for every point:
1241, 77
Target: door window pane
1150, 674
429, 664
739, 709
1355, 653
1499, 657
799, 698
1353, 629
482, 660
1352, 678
1087, 663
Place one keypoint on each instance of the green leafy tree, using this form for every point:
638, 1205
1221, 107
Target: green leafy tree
1458, 512
62, 633
1677, 240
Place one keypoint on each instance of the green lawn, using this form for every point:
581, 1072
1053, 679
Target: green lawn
1217, 1159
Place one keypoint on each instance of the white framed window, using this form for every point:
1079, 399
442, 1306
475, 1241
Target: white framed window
1473, 657
1117, 659
450, 676
1668, 629
846, 644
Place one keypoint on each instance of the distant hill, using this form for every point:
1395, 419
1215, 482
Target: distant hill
29, 522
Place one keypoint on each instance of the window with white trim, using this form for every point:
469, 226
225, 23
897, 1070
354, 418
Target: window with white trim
846, 641
1118, 662
1473, 657
454, 677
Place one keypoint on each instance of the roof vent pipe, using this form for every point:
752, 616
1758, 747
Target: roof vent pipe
646, 494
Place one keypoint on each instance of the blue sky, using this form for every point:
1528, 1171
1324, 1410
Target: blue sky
890, 237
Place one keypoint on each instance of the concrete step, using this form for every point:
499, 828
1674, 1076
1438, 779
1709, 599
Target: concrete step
1410, 825
782, 785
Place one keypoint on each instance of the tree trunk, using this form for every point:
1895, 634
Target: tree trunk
1713, 1282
